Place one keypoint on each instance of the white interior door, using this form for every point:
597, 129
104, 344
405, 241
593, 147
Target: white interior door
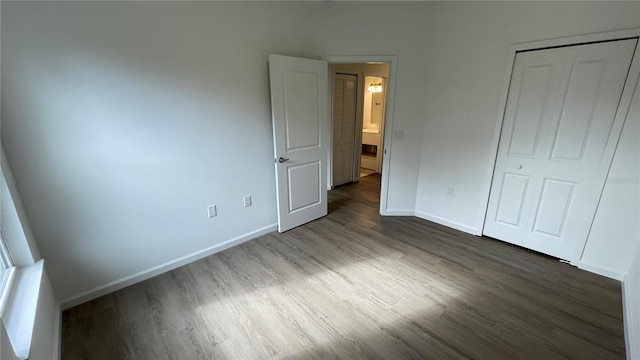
558, 119
344, 127
299, 105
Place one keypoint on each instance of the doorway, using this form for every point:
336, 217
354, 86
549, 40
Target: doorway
359, 93
372, 125
302, 136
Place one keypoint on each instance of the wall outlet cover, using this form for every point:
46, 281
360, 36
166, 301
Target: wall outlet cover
212, 211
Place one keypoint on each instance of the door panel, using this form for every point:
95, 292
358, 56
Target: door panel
510, 207
304, 189
557, 124
530, 109
553, 207
299, 105
302, 122
578, 110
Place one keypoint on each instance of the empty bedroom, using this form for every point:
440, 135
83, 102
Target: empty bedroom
319, 179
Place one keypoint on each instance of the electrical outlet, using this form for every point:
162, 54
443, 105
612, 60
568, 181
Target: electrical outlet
211, 210
450, 191
247, 201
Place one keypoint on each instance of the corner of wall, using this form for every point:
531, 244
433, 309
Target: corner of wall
118, 284
448, 223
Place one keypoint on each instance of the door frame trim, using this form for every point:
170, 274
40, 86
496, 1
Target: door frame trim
623, 108
392, 60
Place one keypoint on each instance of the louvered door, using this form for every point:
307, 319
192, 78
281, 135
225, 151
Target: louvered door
344, 127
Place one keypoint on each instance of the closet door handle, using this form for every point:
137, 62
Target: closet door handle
281, 159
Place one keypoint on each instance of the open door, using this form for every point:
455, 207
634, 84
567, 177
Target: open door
299, 107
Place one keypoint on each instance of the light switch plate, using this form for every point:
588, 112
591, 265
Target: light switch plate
398, 135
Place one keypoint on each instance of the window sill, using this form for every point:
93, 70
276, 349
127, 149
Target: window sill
19, 313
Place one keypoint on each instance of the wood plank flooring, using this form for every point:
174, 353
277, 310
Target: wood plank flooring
355, 285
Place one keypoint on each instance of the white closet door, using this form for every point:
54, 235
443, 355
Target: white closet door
557, 124
344, 127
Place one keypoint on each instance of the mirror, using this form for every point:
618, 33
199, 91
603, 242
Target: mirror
373, 104
376, 108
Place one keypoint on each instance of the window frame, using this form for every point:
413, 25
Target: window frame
6, 264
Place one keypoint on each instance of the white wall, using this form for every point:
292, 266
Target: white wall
631, 290
465, 77
616, 227
123, 121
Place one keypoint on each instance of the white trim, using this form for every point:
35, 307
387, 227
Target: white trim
331, 88
448, 223
22, 244
5, 290
159, 269
599, 269
19, 316
511, 54
398, 213
389, 119
433, 218
577, 39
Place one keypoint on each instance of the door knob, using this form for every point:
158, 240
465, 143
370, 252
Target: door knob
518, 167
281, 159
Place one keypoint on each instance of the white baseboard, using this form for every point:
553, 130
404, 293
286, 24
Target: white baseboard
448, 223
398, 213
600, 270
159, 269
432, 218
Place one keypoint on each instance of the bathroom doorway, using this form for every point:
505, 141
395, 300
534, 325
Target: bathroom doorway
359, 107
372, 125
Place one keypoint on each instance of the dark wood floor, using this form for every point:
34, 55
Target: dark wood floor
357, 285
